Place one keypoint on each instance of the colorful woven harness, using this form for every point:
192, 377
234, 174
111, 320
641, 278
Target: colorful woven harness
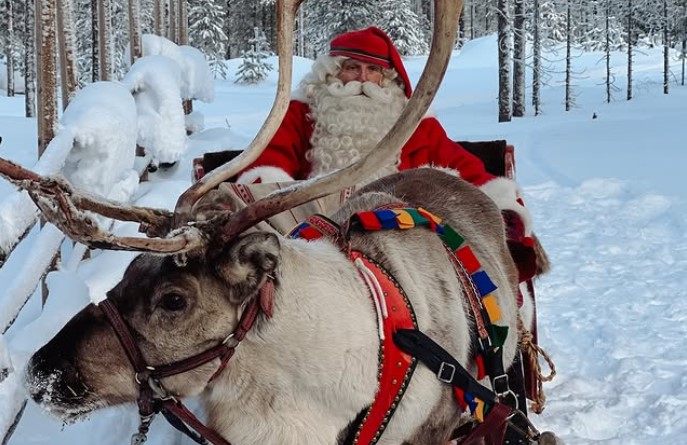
477, 284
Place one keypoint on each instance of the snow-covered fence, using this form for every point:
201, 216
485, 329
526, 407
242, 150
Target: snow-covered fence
94, 148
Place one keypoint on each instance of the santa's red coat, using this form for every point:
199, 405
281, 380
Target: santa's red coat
429, 145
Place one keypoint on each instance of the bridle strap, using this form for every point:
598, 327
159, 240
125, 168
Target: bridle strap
178, 410
124, 334
146, 375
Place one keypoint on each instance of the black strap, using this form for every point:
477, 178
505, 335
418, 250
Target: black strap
441, 363
181, 426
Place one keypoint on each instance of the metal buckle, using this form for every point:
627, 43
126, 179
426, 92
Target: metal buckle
503, 390
446, 368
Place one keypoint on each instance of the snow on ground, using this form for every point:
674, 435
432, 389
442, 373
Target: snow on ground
609, 206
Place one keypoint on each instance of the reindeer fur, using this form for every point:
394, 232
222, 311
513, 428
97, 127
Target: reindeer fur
303, 375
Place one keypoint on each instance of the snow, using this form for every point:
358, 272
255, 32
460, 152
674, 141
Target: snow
608, 203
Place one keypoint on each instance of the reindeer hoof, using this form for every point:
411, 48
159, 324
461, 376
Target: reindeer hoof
549, 438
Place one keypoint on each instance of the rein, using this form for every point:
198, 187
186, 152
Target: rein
152, 395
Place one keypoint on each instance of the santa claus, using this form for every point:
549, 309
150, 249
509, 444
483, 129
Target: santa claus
346, 104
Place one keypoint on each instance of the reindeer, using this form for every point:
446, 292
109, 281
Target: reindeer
309, 359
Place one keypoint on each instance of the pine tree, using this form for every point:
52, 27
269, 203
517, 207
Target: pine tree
206, 33
254, 69
328, 18
404, 28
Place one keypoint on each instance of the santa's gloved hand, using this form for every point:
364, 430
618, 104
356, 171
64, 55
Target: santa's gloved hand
520, 245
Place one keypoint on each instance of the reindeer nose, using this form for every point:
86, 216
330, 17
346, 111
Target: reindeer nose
53, 379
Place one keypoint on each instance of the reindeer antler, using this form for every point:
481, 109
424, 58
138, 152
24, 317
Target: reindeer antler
66, 208
286, 13
445, 28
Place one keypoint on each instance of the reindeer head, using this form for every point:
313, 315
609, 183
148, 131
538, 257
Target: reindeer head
174, 310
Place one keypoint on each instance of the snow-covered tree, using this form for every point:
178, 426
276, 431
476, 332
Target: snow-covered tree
254, 68
206, 32
328, 18
403, 25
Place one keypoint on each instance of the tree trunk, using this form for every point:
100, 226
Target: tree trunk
182, 18
104, 35
472, 19
536, 59
504, 62
157, 17
30, 59
172, 21
568, 59
134, 30
301, 31
95, 55
629, 50
607, 50
519, 39
684, 39
9, 51
47, 72
67, 50
666, 48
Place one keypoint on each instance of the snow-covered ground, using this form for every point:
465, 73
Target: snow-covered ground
609, 206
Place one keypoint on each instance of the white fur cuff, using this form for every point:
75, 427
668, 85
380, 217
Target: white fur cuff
505, 194
264, 174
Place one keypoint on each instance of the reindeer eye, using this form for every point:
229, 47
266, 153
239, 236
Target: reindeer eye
173, 302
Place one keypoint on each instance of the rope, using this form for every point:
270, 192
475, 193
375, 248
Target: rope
531, 352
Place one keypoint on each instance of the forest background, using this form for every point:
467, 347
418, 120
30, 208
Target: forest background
93, 36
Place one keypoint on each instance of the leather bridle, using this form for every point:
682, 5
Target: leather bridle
153, 397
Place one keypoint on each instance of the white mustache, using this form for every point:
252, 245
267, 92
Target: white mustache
355, 88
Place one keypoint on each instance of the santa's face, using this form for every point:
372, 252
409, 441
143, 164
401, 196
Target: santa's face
351, 109
352, 69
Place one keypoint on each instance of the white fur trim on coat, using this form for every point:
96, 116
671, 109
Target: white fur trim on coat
505, 193
264, 173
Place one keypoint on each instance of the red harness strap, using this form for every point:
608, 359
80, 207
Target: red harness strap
396, 367
395, 312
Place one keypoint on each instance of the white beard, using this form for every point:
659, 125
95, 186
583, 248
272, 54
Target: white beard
349, 121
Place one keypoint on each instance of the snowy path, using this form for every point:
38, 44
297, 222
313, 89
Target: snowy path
612, 312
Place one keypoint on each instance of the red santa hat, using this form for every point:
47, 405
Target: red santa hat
371, 45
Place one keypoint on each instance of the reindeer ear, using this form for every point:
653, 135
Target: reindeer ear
245, 264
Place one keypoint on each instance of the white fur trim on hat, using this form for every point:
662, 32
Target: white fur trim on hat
505, 193
264, 173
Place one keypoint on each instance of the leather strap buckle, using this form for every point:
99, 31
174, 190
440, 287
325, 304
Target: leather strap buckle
446, 372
